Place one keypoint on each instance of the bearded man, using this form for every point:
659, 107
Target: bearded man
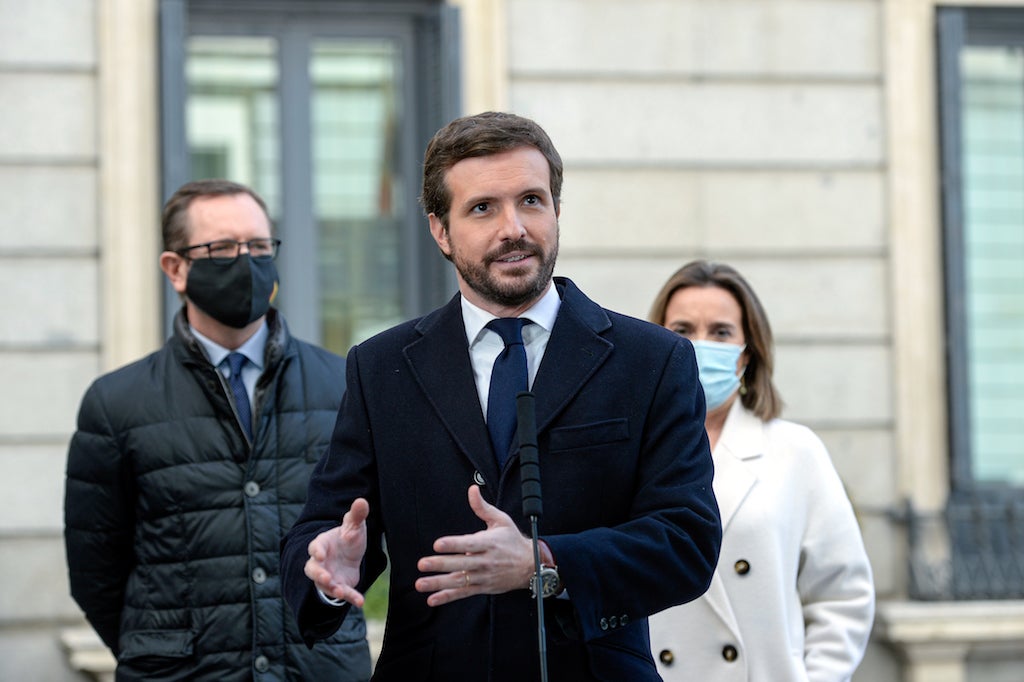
424, 455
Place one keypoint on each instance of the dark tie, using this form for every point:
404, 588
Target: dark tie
235, 363
508, 378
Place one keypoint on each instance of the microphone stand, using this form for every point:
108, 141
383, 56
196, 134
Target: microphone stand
529, 463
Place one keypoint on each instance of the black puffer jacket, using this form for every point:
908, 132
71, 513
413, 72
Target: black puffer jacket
172, 522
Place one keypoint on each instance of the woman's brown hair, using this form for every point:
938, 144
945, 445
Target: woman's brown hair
761, 397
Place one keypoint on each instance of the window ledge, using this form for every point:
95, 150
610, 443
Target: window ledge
951, 630
88, 654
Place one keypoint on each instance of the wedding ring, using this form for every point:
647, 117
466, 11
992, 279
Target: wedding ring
466, 576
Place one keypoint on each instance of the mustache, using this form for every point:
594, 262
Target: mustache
521, 245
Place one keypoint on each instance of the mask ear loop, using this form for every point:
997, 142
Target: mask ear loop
743, 374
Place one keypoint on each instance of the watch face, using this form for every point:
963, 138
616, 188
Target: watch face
550, 584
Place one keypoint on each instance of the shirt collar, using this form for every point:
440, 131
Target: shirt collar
542, 314
252, 349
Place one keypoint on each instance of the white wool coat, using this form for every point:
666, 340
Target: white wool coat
792, 598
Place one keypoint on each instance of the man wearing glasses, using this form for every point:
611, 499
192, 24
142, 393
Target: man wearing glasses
189, 465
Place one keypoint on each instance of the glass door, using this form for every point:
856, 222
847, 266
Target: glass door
326, 115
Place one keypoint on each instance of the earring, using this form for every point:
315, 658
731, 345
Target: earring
743, 386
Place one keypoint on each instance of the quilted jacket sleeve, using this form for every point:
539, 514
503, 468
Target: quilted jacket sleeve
98, 519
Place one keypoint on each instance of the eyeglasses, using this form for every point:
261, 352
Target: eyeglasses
225, 251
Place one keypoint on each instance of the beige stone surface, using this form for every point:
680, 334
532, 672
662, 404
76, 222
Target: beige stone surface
824, 298
625, 285
55, 117
766, 38
45, 389
806, 299
715, 124
48, 33
865, 461
32, 487
45, 208
616, 210
885, 545
34, 654
35, 581
837, 384
49, 302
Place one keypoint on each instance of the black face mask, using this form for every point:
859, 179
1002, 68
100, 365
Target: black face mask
235, 294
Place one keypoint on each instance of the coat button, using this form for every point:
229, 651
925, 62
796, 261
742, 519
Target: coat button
252, 488
667, 657
613, 622
259, 576
604, 623
624, 620
261, 664
742, 566
729, 653
478, 478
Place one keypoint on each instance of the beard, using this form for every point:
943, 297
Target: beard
513, 290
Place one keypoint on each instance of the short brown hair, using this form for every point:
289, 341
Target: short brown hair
761, 398
481, 135
174, 222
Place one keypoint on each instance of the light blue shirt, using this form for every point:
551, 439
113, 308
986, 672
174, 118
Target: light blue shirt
252, 349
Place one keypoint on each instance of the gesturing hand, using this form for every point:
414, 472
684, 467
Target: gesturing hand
336, 554
491, 561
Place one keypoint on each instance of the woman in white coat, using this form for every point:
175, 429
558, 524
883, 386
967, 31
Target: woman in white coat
792, 598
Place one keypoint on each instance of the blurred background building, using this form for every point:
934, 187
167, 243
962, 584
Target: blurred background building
861, 161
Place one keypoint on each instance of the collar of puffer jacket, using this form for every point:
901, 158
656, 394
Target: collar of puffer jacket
278, 339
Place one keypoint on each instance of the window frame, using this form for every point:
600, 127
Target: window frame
958, 27
429, 30
980, 518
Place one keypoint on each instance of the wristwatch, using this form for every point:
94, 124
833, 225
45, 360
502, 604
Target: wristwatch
550, 583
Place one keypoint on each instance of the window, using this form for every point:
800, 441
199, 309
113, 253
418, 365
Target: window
981, 79
325, 109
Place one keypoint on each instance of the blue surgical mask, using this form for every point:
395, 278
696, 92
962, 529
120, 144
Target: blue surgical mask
717, 365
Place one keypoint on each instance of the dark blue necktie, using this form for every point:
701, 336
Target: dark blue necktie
235, 363
508, 378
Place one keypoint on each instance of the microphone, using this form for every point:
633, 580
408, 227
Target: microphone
529, 463
529, 460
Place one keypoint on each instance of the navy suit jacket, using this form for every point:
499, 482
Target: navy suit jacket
626, 473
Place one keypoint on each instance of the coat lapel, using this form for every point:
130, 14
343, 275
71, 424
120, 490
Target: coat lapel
574, 352
439, 361
741, 441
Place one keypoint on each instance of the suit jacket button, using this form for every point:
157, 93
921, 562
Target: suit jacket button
742, 566
667, 657
604, 623
613, 622
729, 653
478, 478
623, 620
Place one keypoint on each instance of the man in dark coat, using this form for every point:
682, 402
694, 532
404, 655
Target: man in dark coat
188, 466
630, 524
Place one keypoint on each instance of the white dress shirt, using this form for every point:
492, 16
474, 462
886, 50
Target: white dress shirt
485, 345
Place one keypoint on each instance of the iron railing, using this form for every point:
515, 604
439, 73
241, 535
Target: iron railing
974, 549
